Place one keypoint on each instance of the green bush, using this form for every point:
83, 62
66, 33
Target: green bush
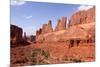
41, 53
46, 54
34, 61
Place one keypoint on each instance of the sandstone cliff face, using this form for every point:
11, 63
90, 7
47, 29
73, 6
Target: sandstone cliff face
46, 33
81, 28
81, 17
72, 33
47, 28
38, 32
61, 24
16, 33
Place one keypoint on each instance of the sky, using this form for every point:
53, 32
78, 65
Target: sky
31, 15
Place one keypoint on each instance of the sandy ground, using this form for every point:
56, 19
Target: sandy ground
59, 52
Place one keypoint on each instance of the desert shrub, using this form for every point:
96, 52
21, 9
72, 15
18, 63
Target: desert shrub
46, 54
38, 55
36, 52
34, 61
77, 60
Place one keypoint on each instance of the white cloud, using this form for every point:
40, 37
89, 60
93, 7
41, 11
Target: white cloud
83, 7
17, 2
28, 17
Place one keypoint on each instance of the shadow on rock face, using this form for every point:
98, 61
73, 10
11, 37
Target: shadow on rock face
20, 43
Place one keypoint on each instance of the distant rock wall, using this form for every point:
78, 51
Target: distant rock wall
15, 33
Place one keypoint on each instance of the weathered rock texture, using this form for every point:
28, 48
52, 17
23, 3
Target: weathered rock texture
38, 32
81, 17
47, 28
25, 37
15, 34
78, 33
82, 29
61, 24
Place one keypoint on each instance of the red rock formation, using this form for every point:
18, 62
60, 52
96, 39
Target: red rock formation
81, 17
25, 37
47, 28
78, 31
44, 28
58, 25
91, 15
64, 20
38, 32
61, 24
16, 33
